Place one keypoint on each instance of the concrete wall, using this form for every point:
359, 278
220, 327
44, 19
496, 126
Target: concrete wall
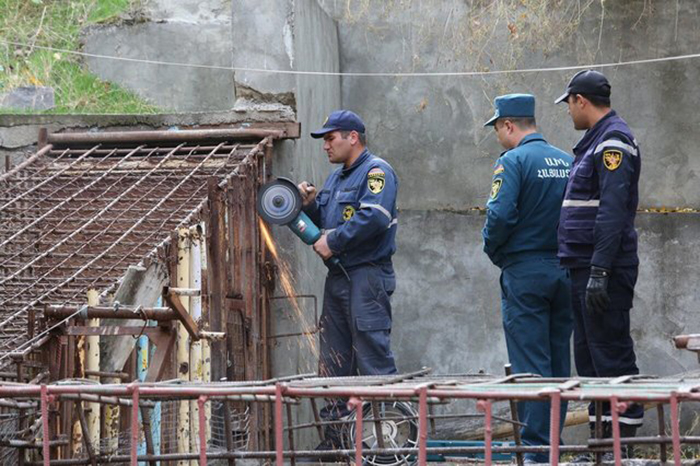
430, 129
187, 31
447, 310
292, 35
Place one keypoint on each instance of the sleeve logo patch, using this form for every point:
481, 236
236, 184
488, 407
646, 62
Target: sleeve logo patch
348, 212
499, 169
376, 180
612, 159
496, 187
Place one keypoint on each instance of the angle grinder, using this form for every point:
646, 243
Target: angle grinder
279, 203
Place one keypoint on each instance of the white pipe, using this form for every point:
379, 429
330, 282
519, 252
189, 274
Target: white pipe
196, 370
206, 344
183, 350
92, 363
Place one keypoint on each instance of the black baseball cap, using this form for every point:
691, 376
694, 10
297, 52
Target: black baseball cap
587, 82
340, 120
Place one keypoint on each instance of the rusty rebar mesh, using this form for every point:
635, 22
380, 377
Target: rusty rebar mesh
76, 218
10, 426
165, 430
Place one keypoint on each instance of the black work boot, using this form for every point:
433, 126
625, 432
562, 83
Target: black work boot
329, 444
586, 457
626, 431
590, 457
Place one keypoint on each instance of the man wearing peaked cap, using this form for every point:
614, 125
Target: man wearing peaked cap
356, 208
598, 240
520, 237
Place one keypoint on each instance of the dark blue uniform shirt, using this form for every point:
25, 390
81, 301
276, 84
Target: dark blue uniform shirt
526, 192
357, 209
600, 202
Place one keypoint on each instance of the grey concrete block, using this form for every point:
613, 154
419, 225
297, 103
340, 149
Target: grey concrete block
194, 11
29, 98
446, 286
173, 88
430, 128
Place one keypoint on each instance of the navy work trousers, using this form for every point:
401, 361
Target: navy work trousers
356, 325
603, 346
356, 322
537, 319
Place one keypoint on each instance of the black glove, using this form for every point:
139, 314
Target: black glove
597, 299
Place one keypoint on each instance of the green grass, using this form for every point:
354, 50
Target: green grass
57, 23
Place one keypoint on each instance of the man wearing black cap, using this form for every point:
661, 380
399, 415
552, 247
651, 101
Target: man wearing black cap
598, 241
520, 237
357, 211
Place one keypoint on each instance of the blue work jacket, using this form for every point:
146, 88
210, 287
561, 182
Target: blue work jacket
357, 210
600, 202
523, 209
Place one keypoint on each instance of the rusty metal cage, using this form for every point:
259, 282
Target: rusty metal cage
87, 207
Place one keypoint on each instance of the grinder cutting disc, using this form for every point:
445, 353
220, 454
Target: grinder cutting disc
279, 201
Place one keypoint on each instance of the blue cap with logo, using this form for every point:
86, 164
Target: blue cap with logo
340, 120
513, 106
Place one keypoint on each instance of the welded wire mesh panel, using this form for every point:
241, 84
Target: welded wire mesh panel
171, 435
77, 217
10, 430
118, 445
172, 430
240, 427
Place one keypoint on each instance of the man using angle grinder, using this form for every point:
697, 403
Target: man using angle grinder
356, 210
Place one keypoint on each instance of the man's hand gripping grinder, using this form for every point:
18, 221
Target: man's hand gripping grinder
279, 203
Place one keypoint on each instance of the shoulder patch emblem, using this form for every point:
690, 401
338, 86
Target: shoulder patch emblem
499, 169
496, 187
612, 159
376, 180
348, 212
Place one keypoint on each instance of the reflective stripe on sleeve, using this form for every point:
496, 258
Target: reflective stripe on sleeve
378, 207
575, 203
614, 143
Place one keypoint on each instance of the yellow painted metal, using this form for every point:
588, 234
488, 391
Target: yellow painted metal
111, 424
77, 436
92, 363
196, 366
206, 344
183, 344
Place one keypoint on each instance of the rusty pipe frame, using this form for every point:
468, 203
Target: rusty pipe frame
160, 314
305, 453
486, 399
43, 151
690, 342
139, 137
378, 392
